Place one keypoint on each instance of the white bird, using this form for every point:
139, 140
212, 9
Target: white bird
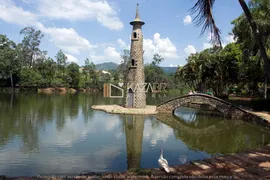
163, 162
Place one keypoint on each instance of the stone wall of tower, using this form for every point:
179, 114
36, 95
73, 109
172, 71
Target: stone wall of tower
137, 54
136, 68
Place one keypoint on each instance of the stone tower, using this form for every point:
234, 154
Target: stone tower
135, 97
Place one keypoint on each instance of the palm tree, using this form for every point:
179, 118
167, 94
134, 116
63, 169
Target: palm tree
205, 17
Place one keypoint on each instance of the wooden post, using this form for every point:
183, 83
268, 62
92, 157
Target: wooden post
105, 87
108, 90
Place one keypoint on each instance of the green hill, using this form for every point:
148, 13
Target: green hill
113, 66
169, 70
107, 66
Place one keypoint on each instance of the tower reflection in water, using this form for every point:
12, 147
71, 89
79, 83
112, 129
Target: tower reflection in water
134, 126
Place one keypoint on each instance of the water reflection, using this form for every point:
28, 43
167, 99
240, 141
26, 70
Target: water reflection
215, 134
155, 131
134, 126
62, 134
198, 117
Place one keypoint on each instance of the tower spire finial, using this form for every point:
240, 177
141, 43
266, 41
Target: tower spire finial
137, 12
137, 19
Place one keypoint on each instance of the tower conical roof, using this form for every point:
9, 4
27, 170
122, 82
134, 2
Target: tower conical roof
137, 19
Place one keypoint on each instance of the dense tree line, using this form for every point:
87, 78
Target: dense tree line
25, 65
238, 66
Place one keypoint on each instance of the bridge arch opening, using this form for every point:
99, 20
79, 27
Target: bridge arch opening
197, 106
226, 108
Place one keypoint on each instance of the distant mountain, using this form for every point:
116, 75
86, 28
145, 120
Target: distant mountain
113, 66
169, 70
107, 66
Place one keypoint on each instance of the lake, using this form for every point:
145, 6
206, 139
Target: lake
61, 134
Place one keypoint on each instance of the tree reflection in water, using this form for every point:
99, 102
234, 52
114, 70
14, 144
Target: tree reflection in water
212, 133
42, 130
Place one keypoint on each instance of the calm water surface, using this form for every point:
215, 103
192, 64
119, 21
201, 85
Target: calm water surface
61, 134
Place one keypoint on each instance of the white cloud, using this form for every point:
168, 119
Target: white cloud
187, 20
149, 48
122, 44
68, 40
96, 159
81, 10
10, 13
165, 45
190, 50
207, 45
27, 1
109, 55
71, 58
210, 36
162, 46
229, 39
68, 134
71, 133
172, 65
113, 122
118, 134
110, 22
160, 133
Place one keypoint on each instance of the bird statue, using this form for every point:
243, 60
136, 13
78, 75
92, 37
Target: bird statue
163, 162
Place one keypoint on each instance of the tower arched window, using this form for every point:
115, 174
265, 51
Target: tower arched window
134, 35
132, 62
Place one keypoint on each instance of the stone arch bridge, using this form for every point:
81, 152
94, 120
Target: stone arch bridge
229, 110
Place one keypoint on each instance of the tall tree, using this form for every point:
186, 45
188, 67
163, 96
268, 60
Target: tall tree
30, 77
245, 36
9, 62
74, 74
154, 73
215, 69
205, 17
30, 46
157, 59
89, 72
123, 67
48, 71
62, 63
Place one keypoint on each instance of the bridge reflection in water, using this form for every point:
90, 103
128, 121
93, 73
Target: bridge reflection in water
213, 133
199, 130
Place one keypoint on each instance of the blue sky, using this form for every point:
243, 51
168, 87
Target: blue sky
100, 30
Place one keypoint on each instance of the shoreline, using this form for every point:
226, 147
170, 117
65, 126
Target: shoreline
48, 90
263, 114
117, 109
